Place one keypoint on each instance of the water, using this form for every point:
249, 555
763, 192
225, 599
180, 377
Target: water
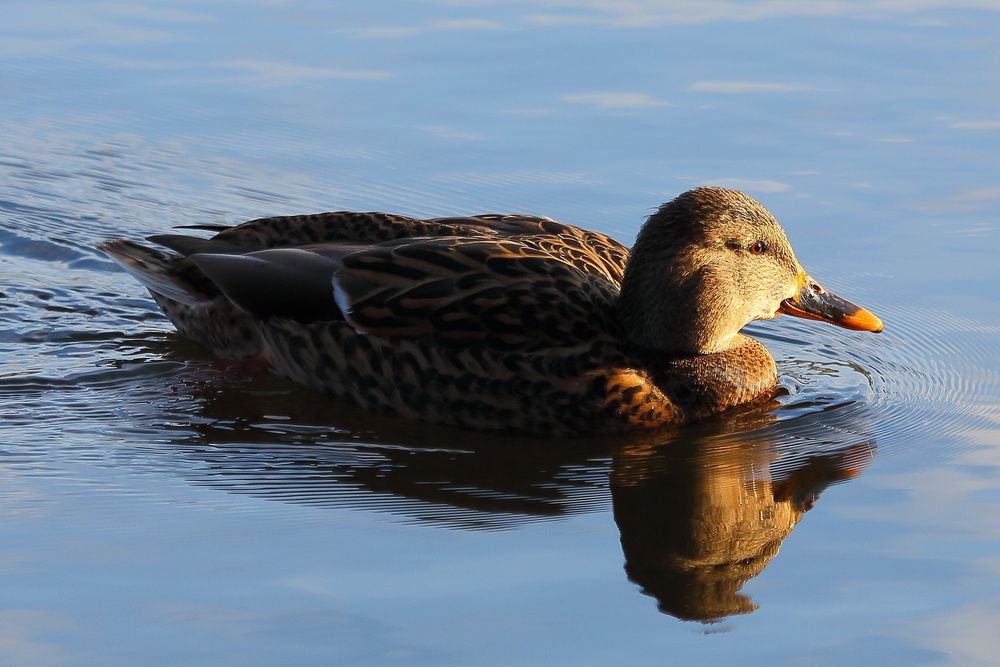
161, 507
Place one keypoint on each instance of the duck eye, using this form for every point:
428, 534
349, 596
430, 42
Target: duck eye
758, 248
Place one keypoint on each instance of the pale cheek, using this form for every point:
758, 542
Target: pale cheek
759, 312
769, 309
791, 289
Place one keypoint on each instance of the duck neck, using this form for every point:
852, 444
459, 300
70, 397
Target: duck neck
669, 311
706, 384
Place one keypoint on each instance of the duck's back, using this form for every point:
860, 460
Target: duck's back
589, 251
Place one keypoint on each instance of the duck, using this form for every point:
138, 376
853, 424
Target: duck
502, 322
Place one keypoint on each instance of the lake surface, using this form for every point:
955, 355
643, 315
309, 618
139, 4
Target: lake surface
163, 508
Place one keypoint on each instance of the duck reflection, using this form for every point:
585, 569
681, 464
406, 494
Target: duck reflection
699, 512
698, 519
280, 442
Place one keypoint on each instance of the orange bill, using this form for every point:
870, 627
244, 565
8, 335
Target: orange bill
814, 302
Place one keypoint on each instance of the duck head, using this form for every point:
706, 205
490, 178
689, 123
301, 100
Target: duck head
711, 261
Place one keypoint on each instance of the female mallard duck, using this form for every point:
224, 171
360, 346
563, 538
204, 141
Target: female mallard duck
499, 321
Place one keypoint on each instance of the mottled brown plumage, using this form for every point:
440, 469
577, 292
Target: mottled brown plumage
505, 322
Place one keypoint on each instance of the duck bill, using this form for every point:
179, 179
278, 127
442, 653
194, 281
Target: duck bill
814, 302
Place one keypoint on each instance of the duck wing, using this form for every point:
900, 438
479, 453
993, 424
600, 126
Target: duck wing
511, 282
506, 294
502, 293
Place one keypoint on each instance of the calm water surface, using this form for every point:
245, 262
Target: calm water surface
163, 508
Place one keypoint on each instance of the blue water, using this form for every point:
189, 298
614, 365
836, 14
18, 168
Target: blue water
163, 508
